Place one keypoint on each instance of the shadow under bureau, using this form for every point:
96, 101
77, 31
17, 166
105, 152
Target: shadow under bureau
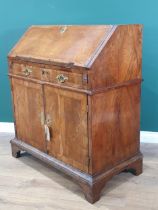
76, 99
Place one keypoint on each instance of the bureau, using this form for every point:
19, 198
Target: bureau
76, 100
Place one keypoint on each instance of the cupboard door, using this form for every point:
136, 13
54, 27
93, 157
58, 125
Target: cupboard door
66, 112
29, 113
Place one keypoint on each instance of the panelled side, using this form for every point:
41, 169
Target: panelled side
115, 127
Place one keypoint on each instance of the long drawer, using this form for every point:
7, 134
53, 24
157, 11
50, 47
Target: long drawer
66, 78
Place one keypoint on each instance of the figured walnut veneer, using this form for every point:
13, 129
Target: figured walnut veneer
76, 98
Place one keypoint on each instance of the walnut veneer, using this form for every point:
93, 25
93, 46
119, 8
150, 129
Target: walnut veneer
76, 98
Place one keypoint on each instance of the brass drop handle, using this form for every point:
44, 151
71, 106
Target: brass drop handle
61, 78
27, 71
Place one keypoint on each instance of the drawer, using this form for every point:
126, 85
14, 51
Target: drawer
64, 78
55, 76
26, 71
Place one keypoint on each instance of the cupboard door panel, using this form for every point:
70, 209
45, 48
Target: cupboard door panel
68, 113
73, 110
29, 113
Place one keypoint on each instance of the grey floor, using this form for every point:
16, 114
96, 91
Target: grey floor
28, 184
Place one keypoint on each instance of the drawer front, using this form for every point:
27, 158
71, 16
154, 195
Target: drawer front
59, 77
26, 71
64, 78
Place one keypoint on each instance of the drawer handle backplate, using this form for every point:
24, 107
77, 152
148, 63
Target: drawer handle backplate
61, 78
27, 71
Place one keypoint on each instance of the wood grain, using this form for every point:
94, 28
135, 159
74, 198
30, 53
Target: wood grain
115, 126
74, 46
92, 119
67, 112
120, 60
49, 75
27, 98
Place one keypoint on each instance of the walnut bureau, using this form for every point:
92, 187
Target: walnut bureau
76, 99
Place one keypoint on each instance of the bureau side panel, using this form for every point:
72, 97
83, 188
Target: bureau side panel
115, 127
120, 60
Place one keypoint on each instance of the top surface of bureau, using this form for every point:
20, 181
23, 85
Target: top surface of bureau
65, 45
